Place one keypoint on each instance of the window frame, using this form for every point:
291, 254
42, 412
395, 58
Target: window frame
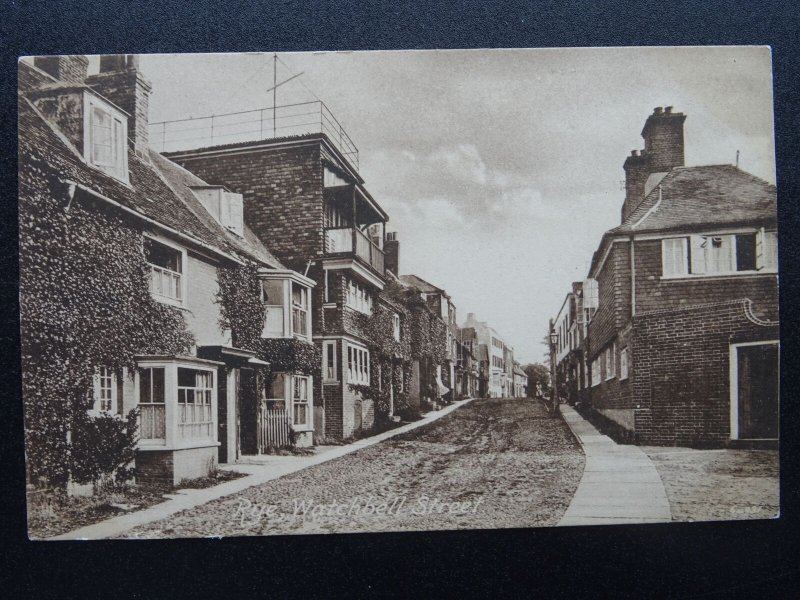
610, 362
119, 139
101, 374
690, 262
328, 353
684, 248
358, 364
173, 440
624, 363
308, 401
183, 274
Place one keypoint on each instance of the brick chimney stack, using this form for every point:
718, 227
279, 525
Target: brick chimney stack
67, 68
663, 150
663, 139
120, 81
636, 173
391, 250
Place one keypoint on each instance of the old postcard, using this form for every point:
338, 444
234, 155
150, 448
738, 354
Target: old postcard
222, 337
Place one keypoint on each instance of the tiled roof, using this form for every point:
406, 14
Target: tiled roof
148, 193
179, 179
700, 198
421, 284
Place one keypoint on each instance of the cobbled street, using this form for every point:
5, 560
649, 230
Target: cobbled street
492, 463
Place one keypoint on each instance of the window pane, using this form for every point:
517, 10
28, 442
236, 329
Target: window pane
273, 292
277, 389
101, 137
158, 385
162, 256
186, 377
746, 252
145, 385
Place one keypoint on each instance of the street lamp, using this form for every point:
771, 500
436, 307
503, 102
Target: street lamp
553, 376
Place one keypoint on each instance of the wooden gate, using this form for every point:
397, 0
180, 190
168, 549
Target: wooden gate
273, 426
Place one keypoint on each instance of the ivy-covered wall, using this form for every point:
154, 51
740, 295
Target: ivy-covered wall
84, 303
242, 311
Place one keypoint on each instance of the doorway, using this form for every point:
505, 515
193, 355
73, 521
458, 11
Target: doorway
755, 390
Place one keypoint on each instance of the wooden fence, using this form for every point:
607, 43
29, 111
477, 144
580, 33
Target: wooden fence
273, 427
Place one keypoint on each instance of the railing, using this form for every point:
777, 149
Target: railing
368, 251
347, 240
273, 426
253, 125
164, 282
152, 422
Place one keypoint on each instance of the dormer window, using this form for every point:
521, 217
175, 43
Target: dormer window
226, 207
105, 137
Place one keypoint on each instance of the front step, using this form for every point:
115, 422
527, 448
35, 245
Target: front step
754, 444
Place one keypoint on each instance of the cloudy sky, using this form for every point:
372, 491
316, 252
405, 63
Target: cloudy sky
500, 169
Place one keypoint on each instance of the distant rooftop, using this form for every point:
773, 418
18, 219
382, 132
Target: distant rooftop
282, 121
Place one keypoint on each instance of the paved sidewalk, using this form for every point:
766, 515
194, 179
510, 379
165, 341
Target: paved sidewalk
269, 469
620, 483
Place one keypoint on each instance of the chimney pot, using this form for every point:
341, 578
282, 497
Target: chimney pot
657, 110
667, 109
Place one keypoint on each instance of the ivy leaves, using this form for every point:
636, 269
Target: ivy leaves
84, 303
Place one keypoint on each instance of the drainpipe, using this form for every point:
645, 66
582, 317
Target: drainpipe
633, 279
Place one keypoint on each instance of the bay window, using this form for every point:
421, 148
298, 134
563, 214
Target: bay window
287, 302
177, 399
357, 365
358, 297
167, 264
195, 420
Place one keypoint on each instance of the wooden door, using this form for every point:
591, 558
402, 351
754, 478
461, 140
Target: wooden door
758, 391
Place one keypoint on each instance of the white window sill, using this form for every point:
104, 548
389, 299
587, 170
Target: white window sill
331, 382
624, 378
188, 445
726, 275
169, 301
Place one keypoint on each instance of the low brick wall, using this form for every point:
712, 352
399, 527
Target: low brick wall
167, 468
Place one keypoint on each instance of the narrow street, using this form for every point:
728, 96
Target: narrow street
492, 463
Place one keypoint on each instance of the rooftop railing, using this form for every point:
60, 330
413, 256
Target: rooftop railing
253, 125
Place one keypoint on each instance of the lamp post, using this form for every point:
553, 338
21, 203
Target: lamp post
553, 376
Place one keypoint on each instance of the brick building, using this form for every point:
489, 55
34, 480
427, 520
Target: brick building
304, 197
84, 144
683, 346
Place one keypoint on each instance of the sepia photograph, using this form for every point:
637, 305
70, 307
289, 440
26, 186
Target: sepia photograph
380, 291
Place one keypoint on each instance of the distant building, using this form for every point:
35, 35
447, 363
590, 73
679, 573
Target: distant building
499, 385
